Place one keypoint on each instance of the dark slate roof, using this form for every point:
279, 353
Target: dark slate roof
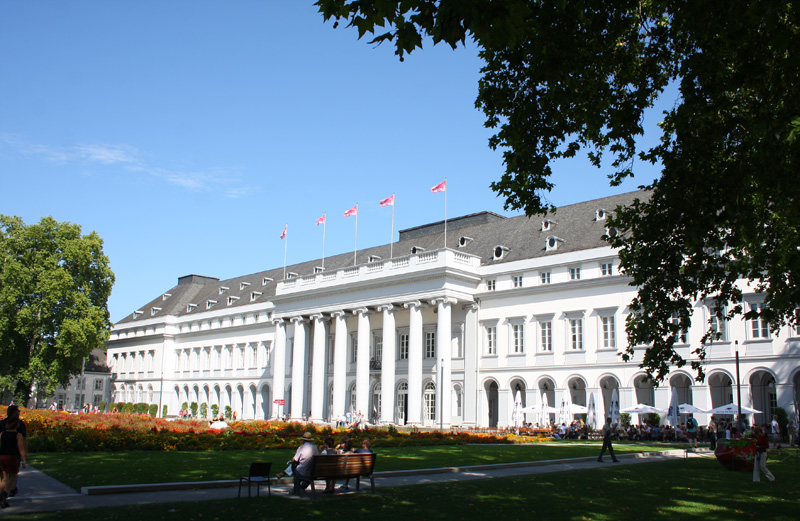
575, 224
96, 363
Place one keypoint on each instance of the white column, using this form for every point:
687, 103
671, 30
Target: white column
339, 363
414, 362
471, 347
318, 369
298, 367
388, 364
444, 355
278, 368
362, 362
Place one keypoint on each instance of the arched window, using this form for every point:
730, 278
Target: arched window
430, 401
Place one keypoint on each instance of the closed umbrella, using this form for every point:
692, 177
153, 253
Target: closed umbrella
591, 414
517, 414
672, 412
614, 410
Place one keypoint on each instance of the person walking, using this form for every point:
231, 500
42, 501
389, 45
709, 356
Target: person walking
608, 430
691, 430
712, 434
12, 413
760, 464
13, 451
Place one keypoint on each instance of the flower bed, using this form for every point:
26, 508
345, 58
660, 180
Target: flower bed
57, 431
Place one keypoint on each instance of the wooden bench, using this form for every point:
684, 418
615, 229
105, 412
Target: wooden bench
343, 466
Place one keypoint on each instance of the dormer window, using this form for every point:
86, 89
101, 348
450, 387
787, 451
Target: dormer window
373, 258
165, 296
463, 241
417, 249
547, 225
611, 232
243, 285
137, 313
291, 275
318, 269
552, 243
154, 311
223, 289
232, 300
601, 214
190, 307
254, 295
499, 252
265, 281
210, 303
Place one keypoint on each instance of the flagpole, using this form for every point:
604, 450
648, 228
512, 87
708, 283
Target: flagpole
391, 237
285, 243
355, 248
445, 212
324, 224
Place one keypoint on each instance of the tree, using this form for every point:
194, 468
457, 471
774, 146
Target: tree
560, 77
54, 288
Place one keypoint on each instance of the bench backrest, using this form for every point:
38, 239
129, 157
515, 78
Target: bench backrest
343, 465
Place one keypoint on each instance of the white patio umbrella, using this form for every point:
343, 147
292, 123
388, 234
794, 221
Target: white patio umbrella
732, 408
576, 408
672, 412
591, 414
687, 408
641, 408
517, 414
614, 410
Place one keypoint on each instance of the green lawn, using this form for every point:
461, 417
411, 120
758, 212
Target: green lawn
79, 469
695, 489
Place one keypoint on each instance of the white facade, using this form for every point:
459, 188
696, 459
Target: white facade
439, 337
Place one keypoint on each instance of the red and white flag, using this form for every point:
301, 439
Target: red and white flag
441, 187
285, 228
389, 201
321, 220
351, 211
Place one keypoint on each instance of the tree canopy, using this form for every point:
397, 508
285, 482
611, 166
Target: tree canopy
54, 288
561, 77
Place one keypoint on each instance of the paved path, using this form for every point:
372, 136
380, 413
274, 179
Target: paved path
40, 493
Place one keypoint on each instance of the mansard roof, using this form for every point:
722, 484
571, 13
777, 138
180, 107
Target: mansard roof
576, 227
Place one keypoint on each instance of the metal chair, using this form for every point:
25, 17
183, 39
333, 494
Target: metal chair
258, 475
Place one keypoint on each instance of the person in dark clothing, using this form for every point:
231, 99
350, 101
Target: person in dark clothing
12, 453
608, 430
13, 413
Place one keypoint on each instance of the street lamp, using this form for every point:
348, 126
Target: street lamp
738, 383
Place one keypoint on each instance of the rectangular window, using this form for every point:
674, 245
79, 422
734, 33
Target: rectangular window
491, 340
430, 344
609, 332
518, 281
796, 328
545, 276
719, 327
576, 334
518, 338
378, 352
403, 346
546, 336
607, 269
682, 336
354, 349
98, 385
491, 284
759, 328
574, 273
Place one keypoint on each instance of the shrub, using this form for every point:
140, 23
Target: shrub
127, 407
193, 408
625, 418
141, 408
228, 412
153, 410
102, 406
184, 406
653, 419
204, 410
214, 410
164, 411
783, 420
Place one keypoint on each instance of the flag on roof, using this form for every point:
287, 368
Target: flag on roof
285, 228
389, 201
351, 211
321, 220
441, 187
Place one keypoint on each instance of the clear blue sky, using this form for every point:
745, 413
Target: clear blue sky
188, 133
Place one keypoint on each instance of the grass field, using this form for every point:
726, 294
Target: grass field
79, 469
693, 489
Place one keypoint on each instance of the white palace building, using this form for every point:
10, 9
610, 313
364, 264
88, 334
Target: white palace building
429, 335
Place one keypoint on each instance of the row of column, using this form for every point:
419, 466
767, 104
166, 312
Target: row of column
388, 367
